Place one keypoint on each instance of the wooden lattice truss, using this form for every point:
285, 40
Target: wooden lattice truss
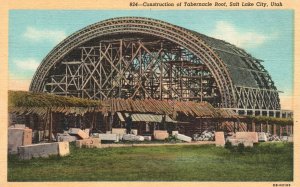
139, 58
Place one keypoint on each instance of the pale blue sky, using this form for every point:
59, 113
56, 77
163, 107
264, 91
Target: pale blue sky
267, 35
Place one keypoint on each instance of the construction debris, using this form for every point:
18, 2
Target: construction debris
107, 137
262, 137
18, 126
65, 137
132, 137
245, 138
134, 131
273, 138
236, 142
183, 138
205, 136
219, 139
87, 131
18, 137
78, 132
147, 138
248, 136
119, 131
43, 150
89, 143
63, 148
160, 134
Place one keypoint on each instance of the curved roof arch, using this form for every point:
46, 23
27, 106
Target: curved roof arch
223, 60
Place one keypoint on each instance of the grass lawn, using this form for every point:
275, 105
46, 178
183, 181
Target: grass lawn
264, 162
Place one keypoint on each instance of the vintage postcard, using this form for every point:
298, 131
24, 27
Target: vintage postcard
153, 93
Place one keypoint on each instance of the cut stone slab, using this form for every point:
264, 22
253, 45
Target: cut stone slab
119, 131
18, 137
18, 126
132, 137
284, 138
174, 133
248, 143
249, 136
160, 134
159, 131
79, 132
134, 131
220, 139
147, 138
63, 148
43, 150
27, 136
109, 137
15, 139
66, 138
236, 142
87, 131
183, 137
88, 143
233, 141
262, 137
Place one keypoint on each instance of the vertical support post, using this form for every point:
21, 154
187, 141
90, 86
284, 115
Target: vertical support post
201, 87
170, 80
234, 127
66, 76
101, 96
106, 122
161, 80
261, 127
82, 66
100, 70
274, 129
280, 130
253, 126
120, 67
181, 85
50, 125
111, 62
45, 125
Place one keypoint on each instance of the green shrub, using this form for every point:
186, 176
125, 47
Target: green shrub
241, 148
172, 139
228, 145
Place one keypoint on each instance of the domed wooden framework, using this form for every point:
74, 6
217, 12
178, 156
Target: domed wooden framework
134, 57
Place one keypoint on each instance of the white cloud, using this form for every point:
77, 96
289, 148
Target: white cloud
38, 35
241, 38
27, 64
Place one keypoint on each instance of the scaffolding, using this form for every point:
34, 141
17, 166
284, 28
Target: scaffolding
137, 69
140, 58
